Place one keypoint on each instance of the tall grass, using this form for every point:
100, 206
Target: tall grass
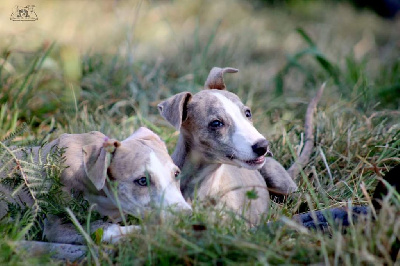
57, 89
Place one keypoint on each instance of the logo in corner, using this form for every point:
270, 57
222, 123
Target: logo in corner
26, 13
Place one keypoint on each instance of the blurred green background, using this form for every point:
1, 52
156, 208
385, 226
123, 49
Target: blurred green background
124, 56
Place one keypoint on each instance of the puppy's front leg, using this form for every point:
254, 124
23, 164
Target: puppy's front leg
55, 231
114, 232
277, 178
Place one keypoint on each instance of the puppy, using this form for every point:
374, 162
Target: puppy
220, 152
138, 168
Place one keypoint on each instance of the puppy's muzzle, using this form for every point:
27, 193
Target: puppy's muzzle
179, 208
261, 147
184, 208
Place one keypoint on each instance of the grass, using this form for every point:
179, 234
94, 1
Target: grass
112, 84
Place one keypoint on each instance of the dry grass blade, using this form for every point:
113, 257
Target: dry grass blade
91, 245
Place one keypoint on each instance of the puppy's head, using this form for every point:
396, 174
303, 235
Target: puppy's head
141, 171
217, 124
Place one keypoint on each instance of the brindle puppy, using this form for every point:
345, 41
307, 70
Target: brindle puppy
221, 154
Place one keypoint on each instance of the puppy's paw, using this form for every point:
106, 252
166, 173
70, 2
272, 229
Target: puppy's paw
114, 232
277, 178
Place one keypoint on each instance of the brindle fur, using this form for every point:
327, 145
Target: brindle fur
211, 161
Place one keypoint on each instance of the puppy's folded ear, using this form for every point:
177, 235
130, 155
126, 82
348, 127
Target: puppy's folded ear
215, 79
96, 161
174, 109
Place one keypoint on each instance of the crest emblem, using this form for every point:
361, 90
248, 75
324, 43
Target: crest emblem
24, 13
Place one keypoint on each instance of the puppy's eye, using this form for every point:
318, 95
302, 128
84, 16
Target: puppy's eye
142, 181
176, 174
248, 113
216, 124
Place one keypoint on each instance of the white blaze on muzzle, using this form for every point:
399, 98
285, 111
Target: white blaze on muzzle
245, 134
170, 194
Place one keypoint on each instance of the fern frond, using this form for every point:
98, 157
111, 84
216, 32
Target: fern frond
19, 131
30, 173
24, 173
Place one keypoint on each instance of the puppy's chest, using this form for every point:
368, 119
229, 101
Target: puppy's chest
214, 183
230, 184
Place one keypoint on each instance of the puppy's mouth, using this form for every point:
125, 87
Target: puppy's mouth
257, 161
250, 164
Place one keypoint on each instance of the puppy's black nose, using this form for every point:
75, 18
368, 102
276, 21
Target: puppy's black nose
261, 147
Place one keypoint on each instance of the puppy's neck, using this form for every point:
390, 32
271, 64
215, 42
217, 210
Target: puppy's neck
195, 168
180, 154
